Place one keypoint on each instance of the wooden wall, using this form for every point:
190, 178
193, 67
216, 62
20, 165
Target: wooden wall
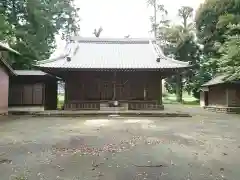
4, 81
86, 86
224, 95
217, 96
26, 94
233, 95
238, 94
33, 91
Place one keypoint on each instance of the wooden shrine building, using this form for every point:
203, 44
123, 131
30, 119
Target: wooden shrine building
104, 73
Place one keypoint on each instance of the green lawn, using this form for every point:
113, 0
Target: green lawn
187, 99
60, 101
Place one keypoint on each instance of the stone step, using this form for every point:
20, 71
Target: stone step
104, 105
120, 105
113, 109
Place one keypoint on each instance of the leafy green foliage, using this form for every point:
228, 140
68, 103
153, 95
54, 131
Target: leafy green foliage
218, 31
211, 20
30, 26
229, 63
182, 46
162, 22
6, 31
211, 43
179, 42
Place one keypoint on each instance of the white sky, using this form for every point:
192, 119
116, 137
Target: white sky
119, 18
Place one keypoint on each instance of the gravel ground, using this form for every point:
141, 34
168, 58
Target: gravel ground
206, 146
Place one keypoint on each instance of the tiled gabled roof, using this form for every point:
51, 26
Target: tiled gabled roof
219, 79
98, 53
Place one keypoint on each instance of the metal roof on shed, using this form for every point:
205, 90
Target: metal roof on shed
219, 79
34, 73
30, 73
98, 53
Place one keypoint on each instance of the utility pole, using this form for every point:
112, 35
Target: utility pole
155, 18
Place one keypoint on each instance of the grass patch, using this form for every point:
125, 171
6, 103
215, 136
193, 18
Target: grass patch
196, 103
187, 99
60, 101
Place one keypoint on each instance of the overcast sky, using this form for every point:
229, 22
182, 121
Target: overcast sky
119, 18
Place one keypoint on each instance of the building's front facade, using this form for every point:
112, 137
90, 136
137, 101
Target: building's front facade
100, 73
132, 89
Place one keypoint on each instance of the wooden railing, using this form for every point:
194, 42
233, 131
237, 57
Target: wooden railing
82, 105
95, 105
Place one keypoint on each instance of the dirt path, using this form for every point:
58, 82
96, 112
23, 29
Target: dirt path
202, 147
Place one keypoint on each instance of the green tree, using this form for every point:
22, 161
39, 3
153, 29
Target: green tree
159, 22
229, 62
182, 45
177, 41
6, 31
212, 19
34, 24
218, 35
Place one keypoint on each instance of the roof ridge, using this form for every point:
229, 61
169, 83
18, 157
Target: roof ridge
110, 40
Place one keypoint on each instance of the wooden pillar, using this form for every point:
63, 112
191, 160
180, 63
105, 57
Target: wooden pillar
231, 97
179, 88
160, 89
202, 99
145, 92
227, 97
65, 94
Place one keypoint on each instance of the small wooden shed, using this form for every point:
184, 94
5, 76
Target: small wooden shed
32, 90
219, 95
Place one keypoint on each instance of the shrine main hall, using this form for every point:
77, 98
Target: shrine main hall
121, 73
